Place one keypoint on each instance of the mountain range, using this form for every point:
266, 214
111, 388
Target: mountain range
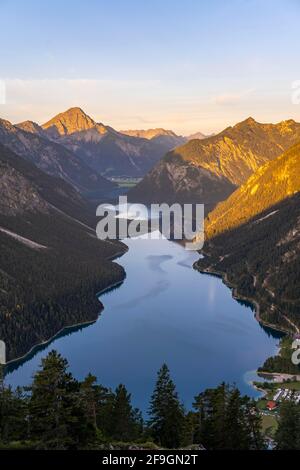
51, 263
107, 151
228, 158
198, 135
28, 141
153, 133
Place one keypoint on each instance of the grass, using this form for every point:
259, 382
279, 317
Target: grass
127, 184
269, 425
261, 404
269, 421
290, 385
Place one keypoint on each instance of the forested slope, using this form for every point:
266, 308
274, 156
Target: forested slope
261, 259
51, 263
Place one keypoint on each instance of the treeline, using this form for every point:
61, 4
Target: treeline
58, 412
283, 361
44, 290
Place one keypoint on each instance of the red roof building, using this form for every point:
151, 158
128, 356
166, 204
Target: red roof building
271, 405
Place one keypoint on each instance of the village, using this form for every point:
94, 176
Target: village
283, 394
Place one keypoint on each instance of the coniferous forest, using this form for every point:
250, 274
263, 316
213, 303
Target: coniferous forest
58, 412
260, 260
52, 264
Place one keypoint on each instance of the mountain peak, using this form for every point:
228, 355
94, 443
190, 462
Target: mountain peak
149, 133
76, 111
32, 127
250, 121
198, 136
70, 121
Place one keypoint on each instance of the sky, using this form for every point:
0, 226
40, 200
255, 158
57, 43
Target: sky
186, 65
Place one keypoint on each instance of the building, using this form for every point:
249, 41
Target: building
271, 405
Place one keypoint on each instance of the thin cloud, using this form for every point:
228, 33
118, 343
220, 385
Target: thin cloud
231, 99
39, 99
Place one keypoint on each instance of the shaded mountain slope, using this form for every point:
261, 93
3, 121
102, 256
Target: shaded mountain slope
261, 260
177, 181
51, 263
50, 156
109, 152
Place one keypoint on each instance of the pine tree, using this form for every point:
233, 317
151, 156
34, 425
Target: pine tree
189, 429
166, 412
254, 425
288, 432
13, 414
211, 415
236, 434
53, 405
226, 420
125, 419
89, 400
104, 410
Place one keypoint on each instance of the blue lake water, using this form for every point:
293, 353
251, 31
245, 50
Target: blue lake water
165, 311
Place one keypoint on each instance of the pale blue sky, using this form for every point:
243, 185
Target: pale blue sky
187, 65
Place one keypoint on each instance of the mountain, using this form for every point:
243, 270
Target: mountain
238, 151
32, 127
173, 180
29, 141
104, 149
70, 122
260, 260
152, 133
197, 135
232, 156
253, 240
51, 263
270, 184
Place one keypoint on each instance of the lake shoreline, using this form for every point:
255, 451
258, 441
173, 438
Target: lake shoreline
52, 338
65, 328
237, 296
182, 332
222, 275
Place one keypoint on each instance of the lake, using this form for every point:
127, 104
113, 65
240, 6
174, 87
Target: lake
165, 311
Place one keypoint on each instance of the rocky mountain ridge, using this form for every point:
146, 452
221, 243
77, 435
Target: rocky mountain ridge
106, 150
28, 141
232, 155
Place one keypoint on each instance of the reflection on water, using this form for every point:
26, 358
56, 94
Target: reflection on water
165, 311
155, 262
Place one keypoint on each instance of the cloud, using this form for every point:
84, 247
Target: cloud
39, 99
232, 99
